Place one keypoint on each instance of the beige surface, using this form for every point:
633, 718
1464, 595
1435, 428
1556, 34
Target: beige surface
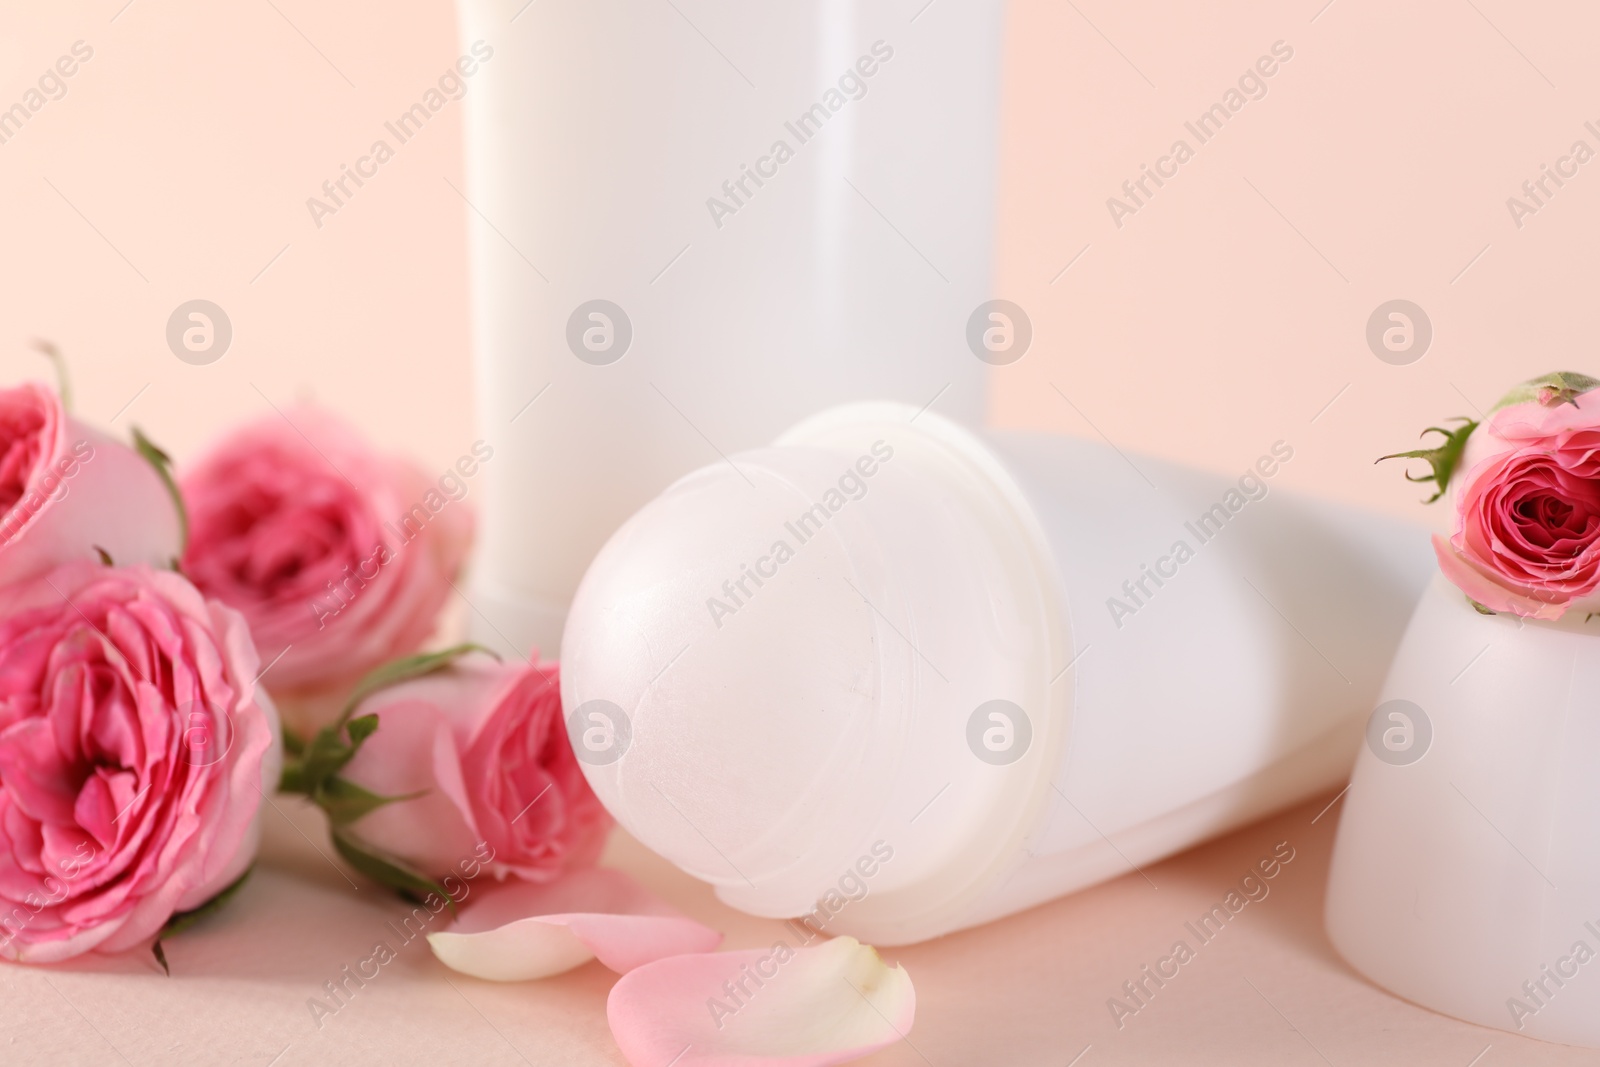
1029, 990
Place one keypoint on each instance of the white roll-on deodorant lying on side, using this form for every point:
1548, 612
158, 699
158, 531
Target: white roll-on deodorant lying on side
902, 678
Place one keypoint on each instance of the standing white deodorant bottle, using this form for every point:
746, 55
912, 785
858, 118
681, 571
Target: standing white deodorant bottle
904, 678
694, 223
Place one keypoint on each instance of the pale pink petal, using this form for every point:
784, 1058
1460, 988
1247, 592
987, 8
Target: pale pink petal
499, 778
783, 1006
1485, 590
84, 492
413, 755
515, 931
1531, 419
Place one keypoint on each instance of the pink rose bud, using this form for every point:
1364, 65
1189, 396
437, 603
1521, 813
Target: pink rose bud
339, 558
68, 492
1524, 486
481, 750
133, 755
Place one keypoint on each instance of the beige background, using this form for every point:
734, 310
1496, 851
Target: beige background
1224, 315
1227, 313
1231, 310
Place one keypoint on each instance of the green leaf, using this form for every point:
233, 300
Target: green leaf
324, 757
185, 919
402, 670
293, 743
292, 780
314, 773
345, 802
1551, 390
63, 382
1442, 460
386, 870
163, 468
360, 728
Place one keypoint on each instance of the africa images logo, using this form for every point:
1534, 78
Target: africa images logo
852, 85
851, 485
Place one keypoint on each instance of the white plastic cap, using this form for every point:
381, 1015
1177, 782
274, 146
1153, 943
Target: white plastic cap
773, 666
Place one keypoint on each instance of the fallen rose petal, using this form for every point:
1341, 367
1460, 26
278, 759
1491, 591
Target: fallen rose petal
779, 1006
515, 931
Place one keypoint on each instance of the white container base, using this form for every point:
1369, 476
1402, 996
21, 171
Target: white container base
1468, 880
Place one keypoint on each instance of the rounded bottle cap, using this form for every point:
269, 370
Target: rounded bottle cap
774, 666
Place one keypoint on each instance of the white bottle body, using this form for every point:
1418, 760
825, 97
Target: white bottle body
838, 713
598, 140
1467, 867
1238, 688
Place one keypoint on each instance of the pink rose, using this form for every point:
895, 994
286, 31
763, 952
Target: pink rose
1526, 498
339, 558
133, 754
485, 745
66, 490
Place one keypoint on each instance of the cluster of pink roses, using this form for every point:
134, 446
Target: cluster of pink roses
143, 622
